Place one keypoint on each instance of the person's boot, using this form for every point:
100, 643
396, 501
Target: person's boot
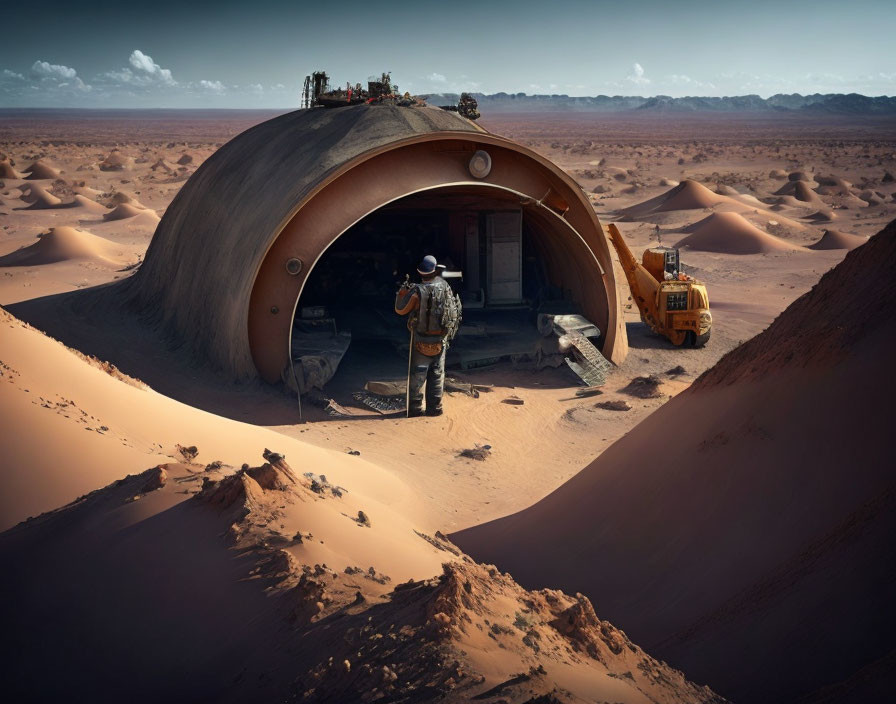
437, 411
415, 412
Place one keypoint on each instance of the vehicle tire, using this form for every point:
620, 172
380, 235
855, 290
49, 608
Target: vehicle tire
690, 339
701, 340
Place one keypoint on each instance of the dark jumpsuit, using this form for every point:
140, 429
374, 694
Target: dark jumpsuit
427, 356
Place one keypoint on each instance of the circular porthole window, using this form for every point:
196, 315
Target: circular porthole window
480, 164
293, 266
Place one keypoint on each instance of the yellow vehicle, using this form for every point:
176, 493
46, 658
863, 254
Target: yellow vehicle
672, 303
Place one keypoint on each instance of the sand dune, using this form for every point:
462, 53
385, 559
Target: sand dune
7, 170
88, 204
791, 202
822, 216
688, 195
31, 191
123, 211
778, 174
40, 199
850, 202
800, 191
749, 200
871, 197
833, 181
834, 239
803, 193
86, 191
730, 233
128, 198
833, 185
39, 171
799, 176
116, 161
66, 244
270, 572
739, 529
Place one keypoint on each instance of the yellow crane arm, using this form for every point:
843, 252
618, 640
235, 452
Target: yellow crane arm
642, 284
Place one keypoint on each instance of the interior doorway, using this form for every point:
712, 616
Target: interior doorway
494, 248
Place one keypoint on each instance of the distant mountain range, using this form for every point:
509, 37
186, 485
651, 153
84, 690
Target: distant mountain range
833, 103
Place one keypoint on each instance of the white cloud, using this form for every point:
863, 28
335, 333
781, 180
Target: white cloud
12, 75
436, 78
638, 77
53, 77
43, 69
144, 63
144, 75
212, 86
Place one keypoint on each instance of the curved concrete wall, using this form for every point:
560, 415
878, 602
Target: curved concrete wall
215, 273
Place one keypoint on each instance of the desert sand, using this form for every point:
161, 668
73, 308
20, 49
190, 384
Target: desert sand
784, 512
834, 239
320, 575
730, 233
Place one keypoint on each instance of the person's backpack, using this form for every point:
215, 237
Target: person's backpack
452, 314
440, 309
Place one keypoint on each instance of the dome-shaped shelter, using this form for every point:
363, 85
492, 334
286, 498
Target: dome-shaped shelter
232, 258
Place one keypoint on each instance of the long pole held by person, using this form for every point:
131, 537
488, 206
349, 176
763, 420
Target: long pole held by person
407, 393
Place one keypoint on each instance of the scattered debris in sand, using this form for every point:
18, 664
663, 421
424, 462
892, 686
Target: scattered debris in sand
380, 403
643, 387
613, 405
188, 453
370, 573
272, 457
440, 541
321, 486
480, 452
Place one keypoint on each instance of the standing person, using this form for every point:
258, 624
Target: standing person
434, 316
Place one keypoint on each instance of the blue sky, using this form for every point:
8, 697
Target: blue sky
255, 55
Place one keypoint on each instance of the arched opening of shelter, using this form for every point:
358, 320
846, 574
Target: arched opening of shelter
512, 260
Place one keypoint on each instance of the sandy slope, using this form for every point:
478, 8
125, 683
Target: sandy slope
730, 233
834, 239
64, 244
746, 529
266, 582
50, 392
